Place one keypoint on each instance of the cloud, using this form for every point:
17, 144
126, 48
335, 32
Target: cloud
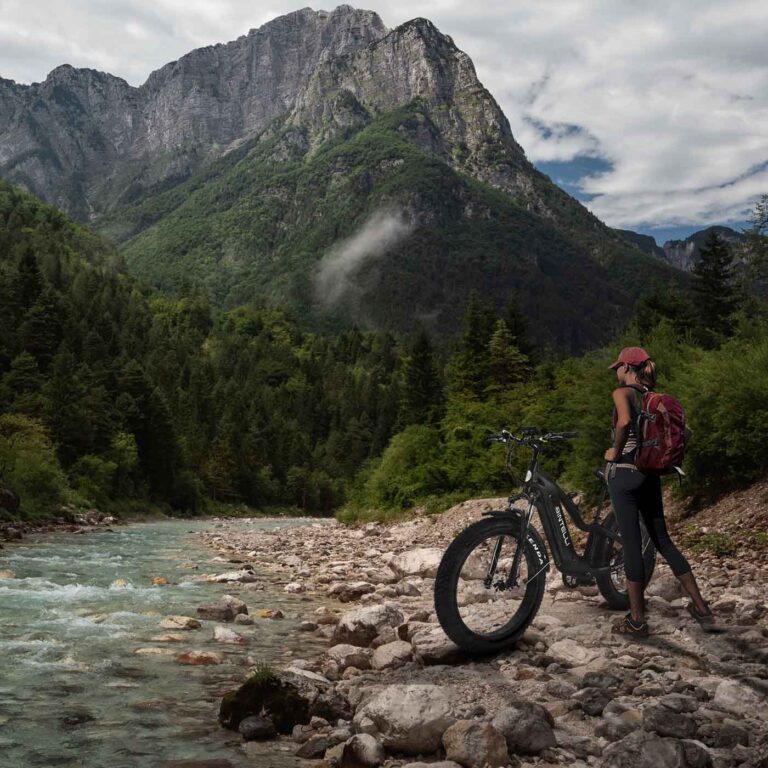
337, 271
671, 98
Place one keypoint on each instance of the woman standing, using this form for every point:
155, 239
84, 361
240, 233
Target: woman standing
634, 493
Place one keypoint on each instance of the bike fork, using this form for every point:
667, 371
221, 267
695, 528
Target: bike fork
512, 578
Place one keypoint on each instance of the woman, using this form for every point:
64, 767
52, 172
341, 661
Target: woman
634, 492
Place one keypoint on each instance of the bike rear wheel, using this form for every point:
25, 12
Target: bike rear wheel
474, 604
613, 585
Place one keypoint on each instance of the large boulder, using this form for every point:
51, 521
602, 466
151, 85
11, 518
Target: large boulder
361, 626
475, 745
288, 698
417, 562
527, 728
407, 718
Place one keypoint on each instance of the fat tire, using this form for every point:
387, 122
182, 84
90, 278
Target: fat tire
446, 582
616, 598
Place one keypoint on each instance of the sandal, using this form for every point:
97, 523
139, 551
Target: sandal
627, 626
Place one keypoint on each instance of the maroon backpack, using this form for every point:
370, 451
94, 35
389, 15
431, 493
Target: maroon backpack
661, 434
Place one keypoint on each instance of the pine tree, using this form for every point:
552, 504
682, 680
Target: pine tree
519, 329
713, 284
470, 368
423, 400
507, 364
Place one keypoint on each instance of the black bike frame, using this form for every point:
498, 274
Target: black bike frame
544, 495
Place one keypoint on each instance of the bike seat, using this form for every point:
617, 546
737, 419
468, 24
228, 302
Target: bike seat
599, 473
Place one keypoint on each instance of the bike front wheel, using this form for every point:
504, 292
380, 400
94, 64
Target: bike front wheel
476, 605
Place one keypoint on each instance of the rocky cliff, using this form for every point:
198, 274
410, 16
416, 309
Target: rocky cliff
684, 254
87, 140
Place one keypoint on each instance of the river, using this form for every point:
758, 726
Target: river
73, 690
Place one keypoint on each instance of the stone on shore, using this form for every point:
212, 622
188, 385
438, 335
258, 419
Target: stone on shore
572, 653
361, 626
407, 718
347, 592
345, 655
256, 728
475, 745
237, 577
417, 562
432, 646
362, 751
738, 697
526, 727
391, 655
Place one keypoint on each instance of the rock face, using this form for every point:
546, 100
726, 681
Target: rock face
96, 128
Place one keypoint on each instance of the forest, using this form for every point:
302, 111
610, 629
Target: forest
117, 396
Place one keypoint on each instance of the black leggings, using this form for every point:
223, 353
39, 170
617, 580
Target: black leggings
632, 492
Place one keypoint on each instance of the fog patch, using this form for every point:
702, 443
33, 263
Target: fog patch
337, 271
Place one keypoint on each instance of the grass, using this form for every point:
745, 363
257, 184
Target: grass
718, 544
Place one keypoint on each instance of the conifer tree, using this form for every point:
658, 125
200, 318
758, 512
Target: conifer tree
716, 298
470, 368
423, 400
507, 364
519, 329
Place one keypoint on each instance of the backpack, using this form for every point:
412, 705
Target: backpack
661, 434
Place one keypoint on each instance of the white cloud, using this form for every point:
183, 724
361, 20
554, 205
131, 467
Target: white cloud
674, 95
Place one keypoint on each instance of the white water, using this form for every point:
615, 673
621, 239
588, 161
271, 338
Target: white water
72, 690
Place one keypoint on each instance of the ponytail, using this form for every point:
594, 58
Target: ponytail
646, 373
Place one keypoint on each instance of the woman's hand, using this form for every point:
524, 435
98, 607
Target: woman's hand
611, 454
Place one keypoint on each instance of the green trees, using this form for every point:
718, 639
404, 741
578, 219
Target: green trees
422, 398
716, 299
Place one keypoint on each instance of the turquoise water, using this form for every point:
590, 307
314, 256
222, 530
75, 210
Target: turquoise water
73, 692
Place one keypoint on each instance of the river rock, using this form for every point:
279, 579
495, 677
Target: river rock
199, 658
320, 695
475, 745
256, 728
346, 592
641, 749
345, 655
362, 751
417, 562
361, 626
572, 653
738, 697
180, 622
407, 718
224, 609
160, 581
6, 574
432, 646
295, 587
225, 635
154, 652
391, 655
268, 613
667, 587
237, 577
665, 722
244, 619
526, 727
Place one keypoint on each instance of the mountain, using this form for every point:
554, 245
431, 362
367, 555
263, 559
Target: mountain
683, 254
645, 243
247, 166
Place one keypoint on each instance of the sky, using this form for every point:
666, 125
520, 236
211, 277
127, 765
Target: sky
654, 114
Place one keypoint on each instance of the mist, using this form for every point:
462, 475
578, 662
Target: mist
337, 270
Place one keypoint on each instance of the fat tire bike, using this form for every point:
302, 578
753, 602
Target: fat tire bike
491, 578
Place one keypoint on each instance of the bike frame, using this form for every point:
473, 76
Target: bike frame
544, 495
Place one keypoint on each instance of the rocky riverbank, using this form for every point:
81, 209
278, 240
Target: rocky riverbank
392, 690
69, 519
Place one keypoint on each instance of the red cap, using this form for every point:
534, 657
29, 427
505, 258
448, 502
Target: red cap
631, 356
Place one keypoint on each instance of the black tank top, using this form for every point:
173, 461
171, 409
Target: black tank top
630, 446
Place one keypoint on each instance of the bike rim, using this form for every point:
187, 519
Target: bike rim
491, 609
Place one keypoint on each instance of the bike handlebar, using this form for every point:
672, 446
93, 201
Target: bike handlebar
529, 437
